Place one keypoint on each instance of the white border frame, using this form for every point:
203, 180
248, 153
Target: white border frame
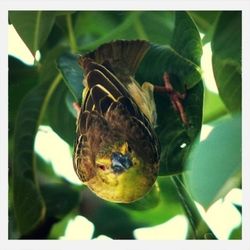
6, 5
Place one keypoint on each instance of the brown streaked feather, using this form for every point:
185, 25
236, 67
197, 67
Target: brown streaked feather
123, 56
89, 65
104, 104
97, 77
140, 138
108, 112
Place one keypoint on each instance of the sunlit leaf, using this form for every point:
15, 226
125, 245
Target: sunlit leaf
236, 234
205, 21
59, 228
214, 165
213, 107
33, 26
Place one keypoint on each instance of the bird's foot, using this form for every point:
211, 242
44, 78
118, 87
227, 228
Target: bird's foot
175, 97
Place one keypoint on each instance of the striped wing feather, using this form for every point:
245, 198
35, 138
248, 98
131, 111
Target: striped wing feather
108, 111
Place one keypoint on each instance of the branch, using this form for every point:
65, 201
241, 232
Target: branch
199, 227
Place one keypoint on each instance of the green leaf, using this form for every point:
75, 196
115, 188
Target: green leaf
72, 74
205, 21
236, 233
185, 77
175, 138
33, 26
127, 25
166, 59
48, 70
168, 207
226, 58
19, 85
123, 30
214, 165
58, 229
59, 117
213, 107
107, 21
155, 26
29, 206
60, 199
186, 38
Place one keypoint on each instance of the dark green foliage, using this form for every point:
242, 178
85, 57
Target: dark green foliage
41, 203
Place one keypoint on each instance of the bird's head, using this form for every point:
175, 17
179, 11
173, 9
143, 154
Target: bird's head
121, 175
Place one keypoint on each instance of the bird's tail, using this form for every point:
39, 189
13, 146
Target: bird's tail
121, 57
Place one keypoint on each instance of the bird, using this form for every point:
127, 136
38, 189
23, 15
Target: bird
116, 151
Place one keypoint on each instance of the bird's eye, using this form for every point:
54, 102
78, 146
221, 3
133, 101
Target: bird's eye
102, 167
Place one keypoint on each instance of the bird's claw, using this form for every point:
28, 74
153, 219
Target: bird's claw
175, 97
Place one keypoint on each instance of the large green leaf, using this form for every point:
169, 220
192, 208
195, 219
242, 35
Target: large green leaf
186, 38
214, 165
175, 138
33, 26
226, 58
72, 73
205, 21
18, 87
60, 119
236, 233
47, 69
166, 59
213, 107
29, 207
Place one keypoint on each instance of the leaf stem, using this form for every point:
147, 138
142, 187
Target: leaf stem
72, 40
199, 227
37, 28
139, 29
51, 90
